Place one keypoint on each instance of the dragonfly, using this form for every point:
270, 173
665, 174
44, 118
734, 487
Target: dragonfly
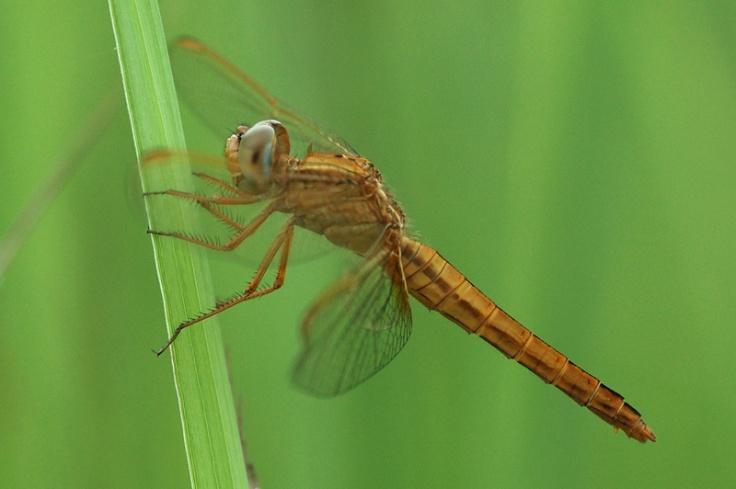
289, 166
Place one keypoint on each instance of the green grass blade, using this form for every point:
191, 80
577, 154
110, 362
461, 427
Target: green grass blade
206, 406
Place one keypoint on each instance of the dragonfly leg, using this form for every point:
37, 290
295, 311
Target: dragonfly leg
283, 243
210, 203
168, 155
218, 182
221, 216
234, 242
240, 199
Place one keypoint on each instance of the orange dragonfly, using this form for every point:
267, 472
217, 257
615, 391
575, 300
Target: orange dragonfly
360, 323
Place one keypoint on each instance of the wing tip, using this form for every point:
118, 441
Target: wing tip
190, 43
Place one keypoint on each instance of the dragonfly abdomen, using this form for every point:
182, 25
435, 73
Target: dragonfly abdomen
440, 286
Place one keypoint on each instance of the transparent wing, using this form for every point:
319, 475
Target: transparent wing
355, 328
223, 97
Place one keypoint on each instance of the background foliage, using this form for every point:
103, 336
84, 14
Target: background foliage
575, 160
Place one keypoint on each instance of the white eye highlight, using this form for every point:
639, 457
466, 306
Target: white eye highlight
256, 151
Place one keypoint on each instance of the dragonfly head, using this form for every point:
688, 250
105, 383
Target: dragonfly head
255, 154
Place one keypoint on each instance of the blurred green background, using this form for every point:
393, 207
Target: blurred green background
575, 160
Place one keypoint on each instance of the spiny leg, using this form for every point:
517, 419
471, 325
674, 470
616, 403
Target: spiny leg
210, 204
241, 199
236, 195
282, 242
221, 216
235, 241
218, 182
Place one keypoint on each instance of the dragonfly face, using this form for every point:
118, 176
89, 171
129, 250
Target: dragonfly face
256, 156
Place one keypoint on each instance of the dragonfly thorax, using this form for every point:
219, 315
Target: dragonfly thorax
254, 154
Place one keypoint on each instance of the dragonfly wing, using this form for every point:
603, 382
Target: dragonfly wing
355, 328
223, 96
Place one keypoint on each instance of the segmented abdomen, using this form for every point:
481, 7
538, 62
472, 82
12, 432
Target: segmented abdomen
440, 286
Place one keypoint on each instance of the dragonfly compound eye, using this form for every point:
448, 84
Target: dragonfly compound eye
259, 151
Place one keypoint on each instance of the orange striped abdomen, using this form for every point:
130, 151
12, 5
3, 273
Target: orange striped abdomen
440, 286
